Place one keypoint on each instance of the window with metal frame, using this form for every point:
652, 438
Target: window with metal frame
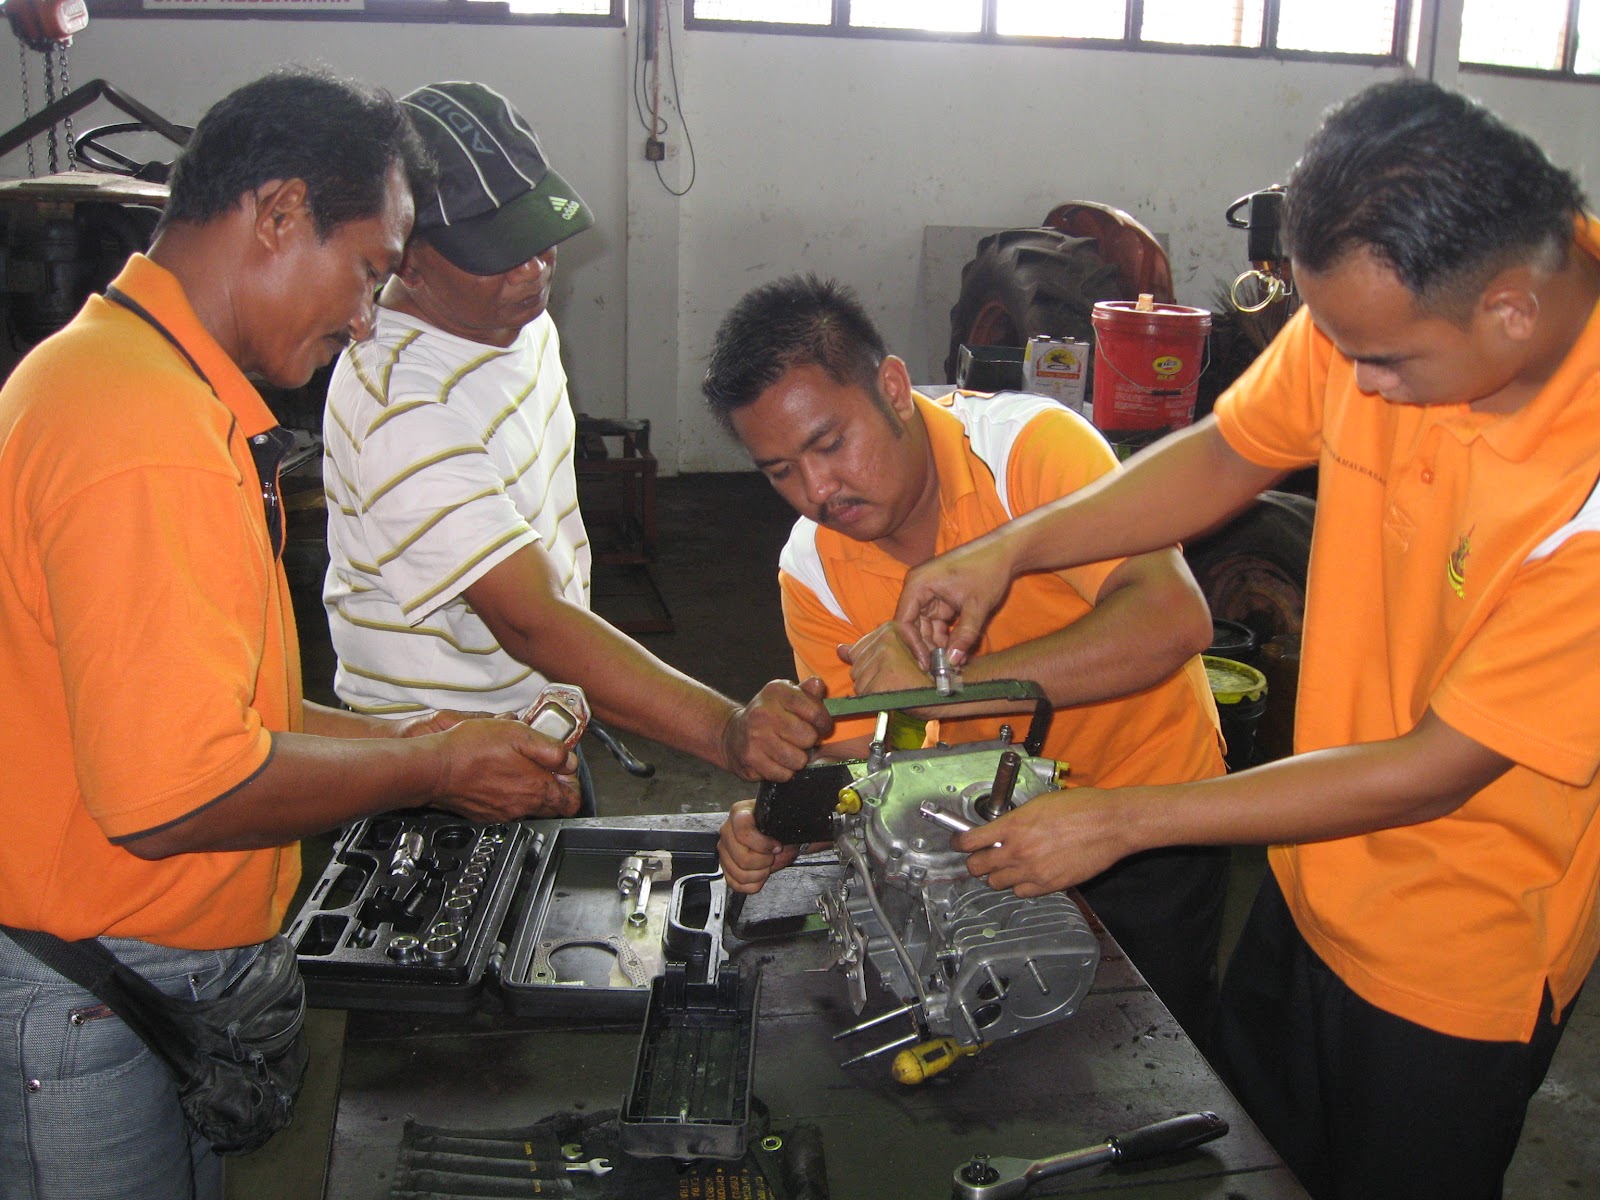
534, 12
1367, 29
1547, 37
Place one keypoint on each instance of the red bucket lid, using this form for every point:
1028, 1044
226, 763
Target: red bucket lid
1171, 318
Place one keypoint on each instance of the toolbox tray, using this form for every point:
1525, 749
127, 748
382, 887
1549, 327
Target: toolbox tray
690, 1096
418, 911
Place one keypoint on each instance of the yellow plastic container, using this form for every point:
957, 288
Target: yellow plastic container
1241, 695
1233, 682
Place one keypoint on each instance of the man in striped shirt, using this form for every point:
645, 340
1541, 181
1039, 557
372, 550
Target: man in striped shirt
459, 573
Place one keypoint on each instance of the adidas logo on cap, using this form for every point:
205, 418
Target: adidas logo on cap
565, 207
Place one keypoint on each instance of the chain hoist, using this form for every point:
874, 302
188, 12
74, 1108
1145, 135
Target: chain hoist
47, 26
27, 103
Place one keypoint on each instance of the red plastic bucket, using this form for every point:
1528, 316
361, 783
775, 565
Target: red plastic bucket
1147, 365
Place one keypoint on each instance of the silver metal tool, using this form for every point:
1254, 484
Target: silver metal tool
946, 676
943, 817
630, 875
879, 1051
640, 914
985, 1178
634, 879
560, 711
877, 1020
408, 849
595, 1166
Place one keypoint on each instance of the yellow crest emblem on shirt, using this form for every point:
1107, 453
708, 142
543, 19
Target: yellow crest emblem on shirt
1456, 568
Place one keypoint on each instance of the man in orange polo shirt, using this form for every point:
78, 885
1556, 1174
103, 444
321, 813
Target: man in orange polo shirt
159, 762
884, 477
1430, 913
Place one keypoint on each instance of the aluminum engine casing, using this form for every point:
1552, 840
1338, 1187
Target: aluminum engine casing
988, 964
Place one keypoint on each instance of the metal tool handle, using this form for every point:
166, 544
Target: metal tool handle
995, 690
1147, 1141
985, 1178
1167, 1137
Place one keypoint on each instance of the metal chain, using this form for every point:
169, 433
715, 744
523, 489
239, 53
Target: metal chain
66, 86
49, 99
27, 104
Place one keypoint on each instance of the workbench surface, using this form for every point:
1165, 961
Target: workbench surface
1121, 1061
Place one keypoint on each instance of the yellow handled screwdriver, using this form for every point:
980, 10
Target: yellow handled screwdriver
924, 1061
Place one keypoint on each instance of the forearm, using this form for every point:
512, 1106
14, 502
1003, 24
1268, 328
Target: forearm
323, 721
1193, 481
1063, 838
1312, 797
625, 683
309, 784
1148, 621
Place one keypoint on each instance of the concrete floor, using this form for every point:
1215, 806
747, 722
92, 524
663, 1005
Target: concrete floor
716, 570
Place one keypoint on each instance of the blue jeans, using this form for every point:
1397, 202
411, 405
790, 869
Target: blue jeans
87, 1111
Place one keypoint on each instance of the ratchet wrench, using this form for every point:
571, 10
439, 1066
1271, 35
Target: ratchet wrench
985, 1178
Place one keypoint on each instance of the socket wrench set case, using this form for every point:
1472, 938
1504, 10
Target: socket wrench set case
417, 911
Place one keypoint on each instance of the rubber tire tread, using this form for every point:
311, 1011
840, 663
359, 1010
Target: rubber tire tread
1044, 281
1275, 530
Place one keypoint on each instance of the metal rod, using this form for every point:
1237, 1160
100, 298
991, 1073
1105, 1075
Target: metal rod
878, 1020
943, 817
1033, 969
883, 1049
1005, 782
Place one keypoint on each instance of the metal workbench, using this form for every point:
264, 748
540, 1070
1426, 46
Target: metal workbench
1120, 1062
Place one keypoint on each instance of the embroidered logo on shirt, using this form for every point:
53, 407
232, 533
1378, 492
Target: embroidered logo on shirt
1456, 569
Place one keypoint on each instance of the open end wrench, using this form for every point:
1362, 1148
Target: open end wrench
985, 1178
595, 1166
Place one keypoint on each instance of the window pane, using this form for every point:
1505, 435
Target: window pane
1062, 18
777, 12
1203, 22
1588, 61
942, 16
1526, 34
1351, 27
570, 8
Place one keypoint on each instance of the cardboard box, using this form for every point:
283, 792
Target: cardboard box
1058, 368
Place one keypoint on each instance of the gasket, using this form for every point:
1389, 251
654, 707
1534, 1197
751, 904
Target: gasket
632, 967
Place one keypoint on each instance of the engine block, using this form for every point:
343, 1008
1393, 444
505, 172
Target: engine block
980, 964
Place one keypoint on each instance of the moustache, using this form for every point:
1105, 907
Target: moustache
831, 508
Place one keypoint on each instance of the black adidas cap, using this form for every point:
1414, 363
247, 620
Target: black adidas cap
498, 203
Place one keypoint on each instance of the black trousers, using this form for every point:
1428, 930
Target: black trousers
1362, 1104
1165, 908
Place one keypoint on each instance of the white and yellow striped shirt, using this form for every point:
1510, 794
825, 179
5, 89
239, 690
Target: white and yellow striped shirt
442, 458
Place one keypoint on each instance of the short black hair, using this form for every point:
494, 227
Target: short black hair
796, 321
340, 136
1434, 185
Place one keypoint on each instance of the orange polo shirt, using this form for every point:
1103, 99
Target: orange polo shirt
146, 635
1455, 566
1032, 450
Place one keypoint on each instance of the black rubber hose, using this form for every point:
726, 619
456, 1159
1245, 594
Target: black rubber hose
636, 767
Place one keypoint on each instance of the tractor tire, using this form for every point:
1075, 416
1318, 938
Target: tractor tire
1026, 282
1253, 569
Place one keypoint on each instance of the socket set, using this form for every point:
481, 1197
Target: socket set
418, 911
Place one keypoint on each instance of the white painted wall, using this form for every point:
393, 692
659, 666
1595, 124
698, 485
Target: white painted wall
815, 154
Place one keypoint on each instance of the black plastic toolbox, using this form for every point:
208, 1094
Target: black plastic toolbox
422, 911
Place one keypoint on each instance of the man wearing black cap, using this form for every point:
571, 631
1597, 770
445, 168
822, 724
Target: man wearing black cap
459, 571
